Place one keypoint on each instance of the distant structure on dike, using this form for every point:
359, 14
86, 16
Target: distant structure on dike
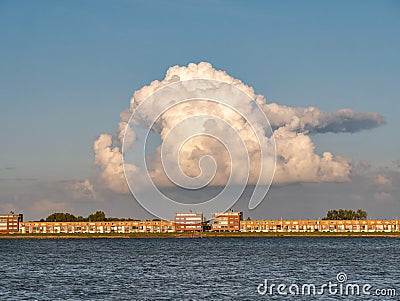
229, 221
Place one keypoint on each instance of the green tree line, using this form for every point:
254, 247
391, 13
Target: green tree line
346, 214
98, 216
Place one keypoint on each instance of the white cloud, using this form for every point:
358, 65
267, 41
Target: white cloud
297, 160
81, 190
109, 159
383, 180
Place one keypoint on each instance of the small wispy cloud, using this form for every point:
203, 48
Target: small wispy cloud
18, 179
383, 196
7, 168
383, 180
81, 190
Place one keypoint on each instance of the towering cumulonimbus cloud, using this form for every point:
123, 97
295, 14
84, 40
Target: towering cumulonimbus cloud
297, 160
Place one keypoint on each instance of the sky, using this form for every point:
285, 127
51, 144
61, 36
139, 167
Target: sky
68, 69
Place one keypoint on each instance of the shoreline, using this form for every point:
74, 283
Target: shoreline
200, 235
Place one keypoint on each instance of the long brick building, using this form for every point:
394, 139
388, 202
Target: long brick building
221, 222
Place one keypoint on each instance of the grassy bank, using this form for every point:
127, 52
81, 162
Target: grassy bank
196, 235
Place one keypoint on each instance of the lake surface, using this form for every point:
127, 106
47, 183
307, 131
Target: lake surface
194, 269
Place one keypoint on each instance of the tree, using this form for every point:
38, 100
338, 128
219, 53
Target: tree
61, 217
346, 214
361, 214
99, 216
80, 218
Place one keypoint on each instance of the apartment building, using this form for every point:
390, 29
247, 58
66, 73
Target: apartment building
226, 221
9, 223
188, 222
155, 226
320, 226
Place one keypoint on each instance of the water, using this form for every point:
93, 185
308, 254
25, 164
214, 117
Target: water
191, 269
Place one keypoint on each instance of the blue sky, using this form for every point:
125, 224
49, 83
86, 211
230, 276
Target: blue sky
68, 68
